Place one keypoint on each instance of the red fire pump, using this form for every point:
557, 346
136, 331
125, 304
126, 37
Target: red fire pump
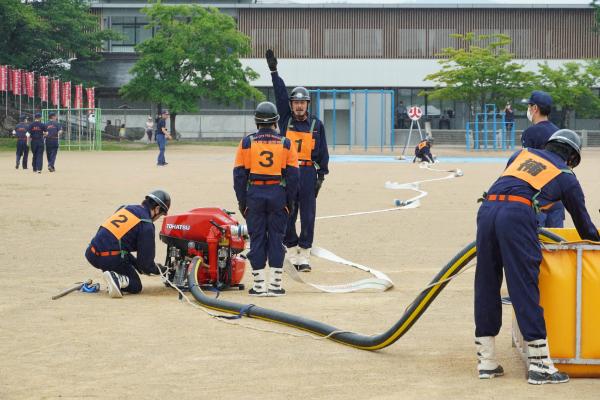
213, 235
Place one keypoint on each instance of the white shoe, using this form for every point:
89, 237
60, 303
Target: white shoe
259, 288
303, 261
292, 255
275, 289
541, 368
115, 283
487, 365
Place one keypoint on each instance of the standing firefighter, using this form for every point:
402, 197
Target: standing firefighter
22, 136
307, 134
54, 130
37, 131
539, 106
161, 136
265, 180
129, 229
423, 151
507, 236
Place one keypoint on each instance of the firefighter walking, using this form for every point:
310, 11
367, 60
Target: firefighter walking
265, 180
22, 135
307, 134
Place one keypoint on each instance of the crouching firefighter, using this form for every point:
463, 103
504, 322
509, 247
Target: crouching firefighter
129, 229
423, 151
507, 237
265, 180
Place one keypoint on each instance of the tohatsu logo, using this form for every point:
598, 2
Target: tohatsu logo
178, 227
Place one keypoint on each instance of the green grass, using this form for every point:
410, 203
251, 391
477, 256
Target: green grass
9, 144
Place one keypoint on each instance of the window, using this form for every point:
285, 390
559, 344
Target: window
133, 30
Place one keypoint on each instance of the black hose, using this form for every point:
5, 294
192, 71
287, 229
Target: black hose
364, 342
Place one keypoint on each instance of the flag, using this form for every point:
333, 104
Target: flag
55, 92
43, 88
30, 85
16, 82
91, 101
3, 78
78, 103
66, 95
23, 82
9, 77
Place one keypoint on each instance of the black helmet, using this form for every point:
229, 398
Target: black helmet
160, 198
266, 113
22, 117
571, 139
300, 93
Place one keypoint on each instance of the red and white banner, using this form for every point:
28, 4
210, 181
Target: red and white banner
43, 88
91, 101
55, 92
30, 84
9, 77
3, 78
78, 102
23, 82
66, 95
16, 84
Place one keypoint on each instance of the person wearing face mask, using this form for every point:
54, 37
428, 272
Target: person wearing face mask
129, 229
539, 105
307, 134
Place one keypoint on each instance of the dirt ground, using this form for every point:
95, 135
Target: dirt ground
154, 346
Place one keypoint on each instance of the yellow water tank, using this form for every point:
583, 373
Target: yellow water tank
569, 285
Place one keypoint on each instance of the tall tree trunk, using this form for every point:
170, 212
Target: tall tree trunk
173, 131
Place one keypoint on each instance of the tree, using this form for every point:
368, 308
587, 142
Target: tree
47, 35
571, 88
194, 54
479, 72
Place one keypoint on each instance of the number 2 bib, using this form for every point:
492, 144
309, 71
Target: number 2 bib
121, 222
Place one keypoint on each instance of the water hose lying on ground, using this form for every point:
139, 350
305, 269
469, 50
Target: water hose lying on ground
356, 340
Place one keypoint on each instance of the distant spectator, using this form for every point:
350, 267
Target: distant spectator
122, 131
108, 126
401, 114
509, 117
149, 128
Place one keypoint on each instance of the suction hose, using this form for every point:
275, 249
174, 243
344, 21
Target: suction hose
352, 339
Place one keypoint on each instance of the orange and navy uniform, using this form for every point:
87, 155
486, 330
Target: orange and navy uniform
507, 237
265, 179
22, 147
423, 151
129, 229
265, 158
309, 139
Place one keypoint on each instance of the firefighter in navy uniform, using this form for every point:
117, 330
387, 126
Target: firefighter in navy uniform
307, 134
54, 129
129, 229
539, 106
37, 131
265, 180
507, 237
423, 151
22, 135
